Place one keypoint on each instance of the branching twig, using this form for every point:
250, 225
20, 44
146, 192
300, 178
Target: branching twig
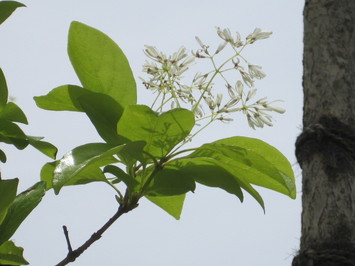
73, 254
66, 234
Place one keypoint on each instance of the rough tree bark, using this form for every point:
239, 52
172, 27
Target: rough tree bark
326, 148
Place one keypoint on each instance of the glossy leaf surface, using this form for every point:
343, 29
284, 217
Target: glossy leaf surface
161, 132
100, 64
172, 205
79, 166
22, 206
11, 254
7, 8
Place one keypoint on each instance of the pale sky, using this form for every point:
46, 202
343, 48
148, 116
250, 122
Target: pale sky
215, 228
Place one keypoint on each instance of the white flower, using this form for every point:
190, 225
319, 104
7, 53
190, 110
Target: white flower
255, 71
225, 34
257, 35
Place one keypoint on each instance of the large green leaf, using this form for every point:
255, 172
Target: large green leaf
104, 113
172, 204
3, 86
8, 189
13, 113
63, 98
252, 161
161, 132
22, 206
100, 64
11, 254
7, 8
79, 166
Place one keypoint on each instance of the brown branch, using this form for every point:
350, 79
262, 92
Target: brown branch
73, 254
66, 234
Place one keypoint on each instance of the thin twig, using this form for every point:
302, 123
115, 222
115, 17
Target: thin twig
72, 255
66, 234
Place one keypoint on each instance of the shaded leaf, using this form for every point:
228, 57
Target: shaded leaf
13, 113
104, 113
63, 98
12, 134
7, 8
11, 254
100, 64
45, 147
8, 189
2, 157
3, 86
170, 182
130, 182
172, 205
252, 161
88, 158
161, 132
132, 152
22, 206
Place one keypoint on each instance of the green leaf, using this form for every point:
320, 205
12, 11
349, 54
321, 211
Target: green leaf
130, 182
100, 64
81, 165
208, 172
132, 152
11, 254
12, 134
22, 206
13, 113
63, 98
161, 132
170, 182
7, 8
45, 147
8, 189
2, 157
253, 161
172, 205
3, 86
104, 113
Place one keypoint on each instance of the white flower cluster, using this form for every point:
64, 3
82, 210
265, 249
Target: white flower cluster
166, 74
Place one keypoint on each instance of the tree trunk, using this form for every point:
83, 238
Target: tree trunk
326, 148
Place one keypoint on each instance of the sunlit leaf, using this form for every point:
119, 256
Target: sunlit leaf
3, 86
161, 132
83, 159
172, 205
22, 206
13, 113
45, 147
7, 8
8, 189
100, 64
11, 254
63, 98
